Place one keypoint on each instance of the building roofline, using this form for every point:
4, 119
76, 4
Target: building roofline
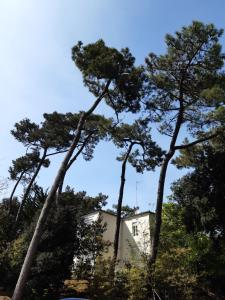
101, 211
147, 212
124, 218
108, 212
139, 214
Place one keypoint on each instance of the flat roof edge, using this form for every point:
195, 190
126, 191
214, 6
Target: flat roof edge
124, 218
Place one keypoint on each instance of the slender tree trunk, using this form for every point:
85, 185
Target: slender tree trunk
59, 192
158, 222
162, 177
14, 189
26, 194
119, 207
160, 193
158, 213
18, 292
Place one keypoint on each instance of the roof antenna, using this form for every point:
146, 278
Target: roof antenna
136, 202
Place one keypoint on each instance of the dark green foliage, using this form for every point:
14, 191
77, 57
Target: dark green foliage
27, 165
190, 72
145, 153
97, 127
188, 265
55, 132
186, 88
175, 271
32, 206
193, 240
129, 283
66, 234
126, 210
202, 192
6, 236
26, 132
99, 64
6, 221
60, 129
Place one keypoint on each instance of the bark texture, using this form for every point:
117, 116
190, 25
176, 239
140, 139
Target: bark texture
119, 207
161, 183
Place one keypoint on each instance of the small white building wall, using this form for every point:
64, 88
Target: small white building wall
109, 233
133, 247
92, 217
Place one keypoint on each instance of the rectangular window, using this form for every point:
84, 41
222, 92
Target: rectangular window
134, 228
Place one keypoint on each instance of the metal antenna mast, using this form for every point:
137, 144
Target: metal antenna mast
137, 182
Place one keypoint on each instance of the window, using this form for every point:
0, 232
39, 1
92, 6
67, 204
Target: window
134, 228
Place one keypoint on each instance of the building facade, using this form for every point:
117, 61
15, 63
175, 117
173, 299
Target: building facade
135, 234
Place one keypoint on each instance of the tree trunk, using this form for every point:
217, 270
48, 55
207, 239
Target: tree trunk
14, 189
162, 177
158, 213
158, 222
18, 292
119, 207
59, 192
30, 186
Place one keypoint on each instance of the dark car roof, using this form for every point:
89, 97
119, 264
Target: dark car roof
73, 299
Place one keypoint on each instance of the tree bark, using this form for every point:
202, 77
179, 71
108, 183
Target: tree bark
119, 207
14, 189
73, 159
158, 213
161, 183
30, 186
18, 292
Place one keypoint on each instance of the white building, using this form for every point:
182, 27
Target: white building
135, 234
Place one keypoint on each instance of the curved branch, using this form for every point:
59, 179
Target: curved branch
195, 142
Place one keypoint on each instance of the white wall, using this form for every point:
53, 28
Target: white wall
92, 217
109, 234
131, 248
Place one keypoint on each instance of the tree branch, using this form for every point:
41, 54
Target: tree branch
57, 152
195, 142
114, 107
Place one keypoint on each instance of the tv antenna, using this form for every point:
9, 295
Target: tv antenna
137, 182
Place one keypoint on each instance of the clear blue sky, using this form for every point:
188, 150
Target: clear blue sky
37, 74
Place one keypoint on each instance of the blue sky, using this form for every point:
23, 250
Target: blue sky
37, 74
